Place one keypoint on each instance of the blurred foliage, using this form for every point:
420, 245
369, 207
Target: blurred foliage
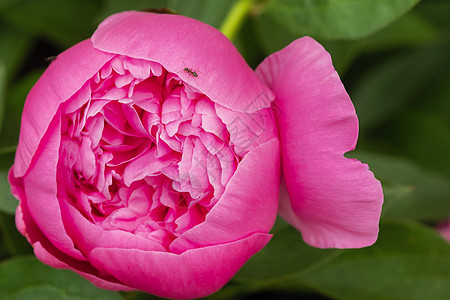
41, 282
394, 59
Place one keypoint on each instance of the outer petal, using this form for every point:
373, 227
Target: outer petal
60, 81
46, 257
178, 42
333, 201
47, 253
40, 192
249, 204
195, 273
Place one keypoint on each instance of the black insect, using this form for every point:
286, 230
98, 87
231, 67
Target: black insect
49, 59
191, 72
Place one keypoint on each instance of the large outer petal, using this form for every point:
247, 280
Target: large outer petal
333, 201
178, 42
47, 253
63, 78
39, 192
249, 204
193, 274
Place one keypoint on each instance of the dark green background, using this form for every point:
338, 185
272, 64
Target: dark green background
394, 59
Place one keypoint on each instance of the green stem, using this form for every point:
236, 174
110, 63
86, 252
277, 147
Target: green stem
235, 18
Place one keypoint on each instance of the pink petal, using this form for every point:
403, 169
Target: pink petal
334, 201
87, 158
59, 82
134, 170
82, 268
177, 43
193, 274
41, 192
248, 205
89, 236
48, 254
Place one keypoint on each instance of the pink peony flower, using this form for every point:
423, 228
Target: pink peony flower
149, 157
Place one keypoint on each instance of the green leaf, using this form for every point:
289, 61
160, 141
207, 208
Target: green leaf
407, 262
209, 12
437, 12
411, 192
385, 91
418, 132
14, 47
286, 254
17, 93
114, 6
409, 31
2, 91
5, 3
329, 19
8, 203
14, 242
64, 22
27, 278
248, 45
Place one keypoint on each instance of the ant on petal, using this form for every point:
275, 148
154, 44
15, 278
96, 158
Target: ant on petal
191, 72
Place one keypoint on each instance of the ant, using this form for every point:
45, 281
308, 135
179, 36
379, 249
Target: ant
50, 59
193, 73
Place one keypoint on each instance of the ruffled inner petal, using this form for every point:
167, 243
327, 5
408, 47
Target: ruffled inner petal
145, 152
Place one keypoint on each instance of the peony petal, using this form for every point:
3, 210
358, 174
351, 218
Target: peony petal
248, 129
134, 170
183, 45
248, 205
334, 201
82, 268
89, 236
59, 82
195, 273
41, 191
48, 254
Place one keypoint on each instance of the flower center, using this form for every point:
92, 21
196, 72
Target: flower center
142, 151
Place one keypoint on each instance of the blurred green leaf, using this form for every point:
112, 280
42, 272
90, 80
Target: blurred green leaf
437, 11
8, 203
407, 262
410, 191
207, 11
3, 252
2, 91
19, 90
385, 91
410, 30
326, 19
65, 22
14, 46
14, 242
114, 6
7, 157
27, 278
17, 93
210, 12
285, 255
5, 3
248, 45
425, 137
